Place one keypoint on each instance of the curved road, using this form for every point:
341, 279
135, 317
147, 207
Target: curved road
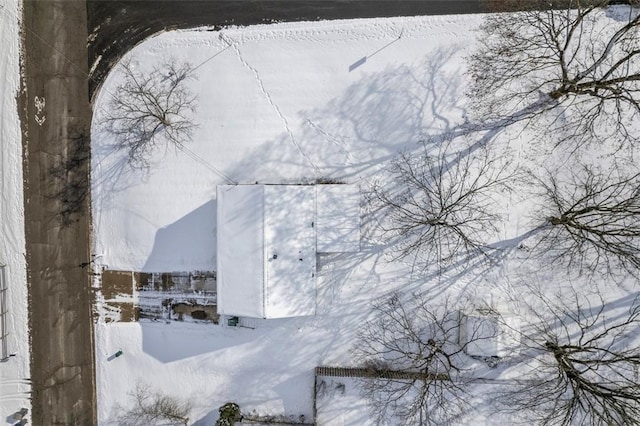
116, 26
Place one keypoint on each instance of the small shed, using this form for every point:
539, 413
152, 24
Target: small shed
267, 240
489, 334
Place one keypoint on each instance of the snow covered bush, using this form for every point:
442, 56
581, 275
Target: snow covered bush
229, 414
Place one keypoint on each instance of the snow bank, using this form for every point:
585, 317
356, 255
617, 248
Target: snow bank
14, 372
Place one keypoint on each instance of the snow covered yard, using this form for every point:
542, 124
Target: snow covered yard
14, 370
291, 103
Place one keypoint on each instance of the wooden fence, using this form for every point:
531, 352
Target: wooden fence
377, 374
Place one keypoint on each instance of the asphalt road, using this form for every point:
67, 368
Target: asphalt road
55, 115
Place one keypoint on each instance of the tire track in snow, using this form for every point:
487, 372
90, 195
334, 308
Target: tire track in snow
15, 395
270, 100
21, 389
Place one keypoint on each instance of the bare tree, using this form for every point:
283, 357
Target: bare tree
574, 60
421, 341
438, 204
149, 109
592, 218
154, 408
584, 363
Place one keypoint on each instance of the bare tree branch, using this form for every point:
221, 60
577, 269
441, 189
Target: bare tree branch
583, 66
438, 205
424, 340
147, 110
592, 218
153, 408
585, 364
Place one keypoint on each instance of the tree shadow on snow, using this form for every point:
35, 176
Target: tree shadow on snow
375, 118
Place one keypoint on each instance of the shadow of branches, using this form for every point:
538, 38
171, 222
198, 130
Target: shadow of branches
71, 178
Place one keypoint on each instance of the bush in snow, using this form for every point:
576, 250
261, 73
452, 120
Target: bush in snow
229, 414
151, 408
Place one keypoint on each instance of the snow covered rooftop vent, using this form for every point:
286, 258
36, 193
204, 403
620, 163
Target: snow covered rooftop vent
266, 250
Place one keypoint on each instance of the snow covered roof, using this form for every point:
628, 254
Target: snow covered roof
268, 236
266, 250
489, 335
338, 218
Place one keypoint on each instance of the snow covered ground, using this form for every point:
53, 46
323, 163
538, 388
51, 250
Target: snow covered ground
14, 372
284, 103
276, 104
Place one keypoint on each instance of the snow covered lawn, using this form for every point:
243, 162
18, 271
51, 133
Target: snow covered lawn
285, 103
276, 104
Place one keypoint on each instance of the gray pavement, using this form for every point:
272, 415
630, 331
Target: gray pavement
55, 115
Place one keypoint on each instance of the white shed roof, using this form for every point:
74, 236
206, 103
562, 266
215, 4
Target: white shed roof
266, 250
488, 335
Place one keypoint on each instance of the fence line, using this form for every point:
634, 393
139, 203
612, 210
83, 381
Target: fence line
377, 374
407, 375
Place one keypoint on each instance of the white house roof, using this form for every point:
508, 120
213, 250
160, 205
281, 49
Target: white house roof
240, 226
266, 250
289, 217
338, 218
